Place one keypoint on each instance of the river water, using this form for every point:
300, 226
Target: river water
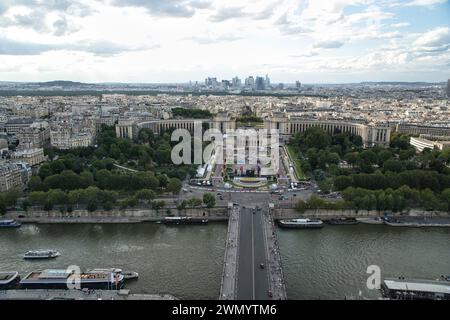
186, 261
331, 263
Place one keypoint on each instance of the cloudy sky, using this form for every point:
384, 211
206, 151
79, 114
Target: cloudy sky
315, 41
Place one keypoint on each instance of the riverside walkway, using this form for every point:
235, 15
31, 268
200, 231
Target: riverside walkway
53, 294
229, 274
252, 264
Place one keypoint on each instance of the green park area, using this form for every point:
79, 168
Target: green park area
390, 178
89, 177
294, 155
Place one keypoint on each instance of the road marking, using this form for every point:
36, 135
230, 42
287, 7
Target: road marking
266, 251
253, 262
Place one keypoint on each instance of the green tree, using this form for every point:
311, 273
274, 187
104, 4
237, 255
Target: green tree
2, 204
36, 184
157, 205
37, 198
182, 205
174, 186
369, 157
45, 171
352, 158
445, 196
57, 166
393, 165
194, 202
209, 200
326, 185
11, 196
145, 194
92, 205
56, 197
316, 137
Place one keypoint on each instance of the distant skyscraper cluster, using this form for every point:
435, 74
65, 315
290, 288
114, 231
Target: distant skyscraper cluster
249, 84
448, 88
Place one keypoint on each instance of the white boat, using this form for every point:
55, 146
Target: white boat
130, 275
9, 223
301, 223
41, 254
9, 280
127, 275
112, 270
374, 220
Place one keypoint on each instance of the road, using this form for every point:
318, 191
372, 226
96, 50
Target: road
253, 282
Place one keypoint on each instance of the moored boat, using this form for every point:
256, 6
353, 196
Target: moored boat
113, 270
41, 254
373, 220
343, 221
9, 223
415, 289
184, 220
130, 275
68, 279
127, 275
9, 280
301, 223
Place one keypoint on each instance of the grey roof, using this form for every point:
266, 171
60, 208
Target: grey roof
20, 121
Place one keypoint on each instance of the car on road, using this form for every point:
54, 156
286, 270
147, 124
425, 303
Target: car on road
261, 265
219, 194
235, 204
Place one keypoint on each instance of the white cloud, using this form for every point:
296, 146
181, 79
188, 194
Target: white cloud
180, 40
425, 3
328, 44
212, 39
434, 38
400, 25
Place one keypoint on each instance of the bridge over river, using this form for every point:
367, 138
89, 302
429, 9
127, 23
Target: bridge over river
252, 264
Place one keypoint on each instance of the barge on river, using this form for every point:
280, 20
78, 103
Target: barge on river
9, 280
66, 279
416, 289
301, 223
184, 220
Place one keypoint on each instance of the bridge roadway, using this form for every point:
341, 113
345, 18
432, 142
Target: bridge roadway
253, 281
251, 241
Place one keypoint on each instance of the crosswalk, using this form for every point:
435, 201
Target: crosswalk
228, 190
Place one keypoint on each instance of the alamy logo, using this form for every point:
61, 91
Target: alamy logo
74, 280
374, 280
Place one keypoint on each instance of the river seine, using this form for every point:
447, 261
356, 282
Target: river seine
186, 261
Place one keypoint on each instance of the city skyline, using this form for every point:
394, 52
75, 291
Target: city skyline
132, 41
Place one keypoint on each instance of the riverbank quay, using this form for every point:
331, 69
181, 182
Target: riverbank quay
324, 214
39, 294
116, 216
415, 221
